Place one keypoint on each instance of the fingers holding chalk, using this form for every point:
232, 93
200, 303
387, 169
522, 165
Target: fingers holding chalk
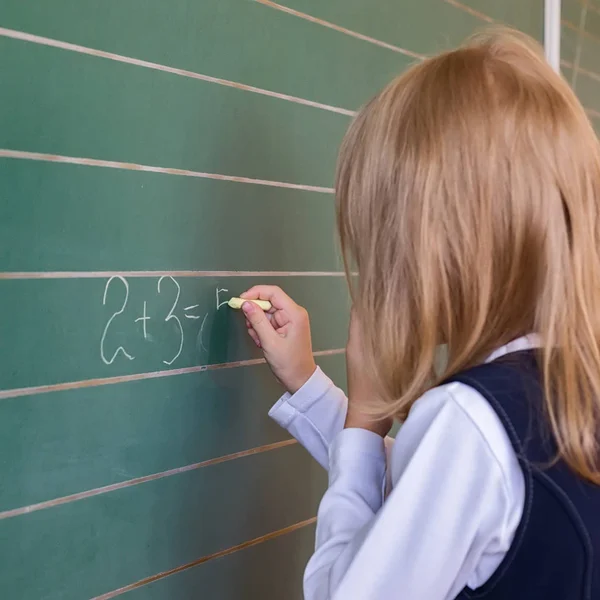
281, 330
273, 294
237, 303
261, 330
254, 319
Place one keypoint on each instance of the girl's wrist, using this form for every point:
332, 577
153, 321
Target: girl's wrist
361, 421
299, 380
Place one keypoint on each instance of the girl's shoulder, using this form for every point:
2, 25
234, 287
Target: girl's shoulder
451, 419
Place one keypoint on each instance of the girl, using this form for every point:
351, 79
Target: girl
468, 202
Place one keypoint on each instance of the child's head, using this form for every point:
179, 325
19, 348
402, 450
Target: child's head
468, 199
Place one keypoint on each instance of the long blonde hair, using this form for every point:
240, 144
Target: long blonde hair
468, 199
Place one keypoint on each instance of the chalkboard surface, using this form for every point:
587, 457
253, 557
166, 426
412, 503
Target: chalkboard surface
155, 159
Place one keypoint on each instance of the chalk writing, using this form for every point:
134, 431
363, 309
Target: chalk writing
165, 284
200, 335
114, 315
221, 303
143, 319
193, 317
172, 317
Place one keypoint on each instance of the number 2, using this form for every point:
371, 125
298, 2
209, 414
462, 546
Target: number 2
119, 312
171, 317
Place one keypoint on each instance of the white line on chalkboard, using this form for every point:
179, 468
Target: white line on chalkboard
335, 27
580, 38
37, 39
593, 113
142, 274
113, 164
593, 7
87, 383
15, 512
489, 19
580, 70
470, 10
591, 74
583, 32
220, 554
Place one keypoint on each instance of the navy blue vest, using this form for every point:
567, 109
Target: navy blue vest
555, 554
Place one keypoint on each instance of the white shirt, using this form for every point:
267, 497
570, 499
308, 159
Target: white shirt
456, 499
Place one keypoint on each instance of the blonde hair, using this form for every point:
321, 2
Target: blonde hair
467, 198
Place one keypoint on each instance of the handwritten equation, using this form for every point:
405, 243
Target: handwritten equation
117, 288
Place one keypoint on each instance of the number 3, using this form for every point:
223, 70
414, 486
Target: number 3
171, 316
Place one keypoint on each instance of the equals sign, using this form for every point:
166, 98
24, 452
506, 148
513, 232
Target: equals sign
191, 308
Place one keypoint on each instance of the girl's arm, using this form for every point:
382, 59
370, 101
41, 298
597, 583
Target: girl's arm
313, 410
315, 415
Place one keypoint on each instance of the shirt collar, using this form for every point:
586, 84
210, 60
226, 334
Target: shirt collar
525, 342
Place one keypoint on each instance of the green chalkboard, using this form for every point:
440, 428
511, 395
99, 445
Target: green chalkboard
580, 53
156, 158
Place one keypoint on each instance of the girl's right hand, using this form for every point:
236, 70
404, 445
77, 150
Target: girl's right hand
283, 333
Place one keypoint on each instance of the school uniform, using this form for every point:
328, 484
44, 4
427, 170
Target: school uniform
472, 508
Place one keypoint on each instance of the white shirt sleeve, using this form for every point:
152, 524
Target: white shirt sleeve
457, 499
315, 415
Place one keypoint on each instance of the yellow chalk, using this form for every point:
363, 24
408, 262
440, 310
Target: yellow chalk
237, 303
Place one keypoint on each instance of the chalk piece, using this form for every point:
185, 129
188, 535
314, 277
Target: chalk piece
237, 303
